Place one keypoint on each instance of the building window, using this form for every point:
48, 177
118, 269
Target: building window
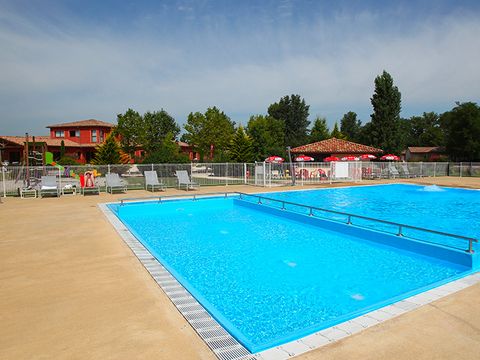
102, 135
94, 135
59, 133
74, 133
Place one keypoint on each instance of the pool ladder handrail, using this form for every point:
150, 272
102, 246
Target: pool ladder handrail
350, 216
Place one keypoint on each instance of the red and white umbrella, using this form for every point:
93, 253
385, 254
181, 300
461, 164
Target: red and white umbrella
390, 157
304, 158
368, 157
274, 159
331, 158
350, 158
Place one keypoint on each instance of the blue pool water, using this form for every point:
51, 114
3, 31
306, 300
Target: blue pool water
270, 279
449, 210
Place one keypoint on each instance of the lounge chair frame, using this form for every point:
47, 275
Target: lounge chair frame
113, 183
183, 179
51, 181
151, 181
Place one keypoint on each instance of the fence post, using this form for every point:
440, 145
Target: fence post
152, 167
4, 185
460, 170
245, 173
421, 168
226, 174
60, 179
434, 169
108, 169
264, 174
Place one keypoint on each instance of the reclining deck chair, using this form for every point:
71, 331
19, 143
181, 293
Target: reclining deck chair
114, 183
392, 171
184, 179
48, 186
151, 181
88, 185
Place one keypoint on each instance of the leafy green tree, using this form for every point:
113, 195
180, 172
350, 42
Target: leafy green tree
350, 126
267, 135
293, 111
425, 130
210, 131
131, 129
337, 133
386, 101
167, 152
462, 131
108, 153
241, 147
365, 134
157, 126
319, 130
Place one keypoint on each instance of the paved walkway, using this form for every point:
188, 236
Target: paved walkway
71, 289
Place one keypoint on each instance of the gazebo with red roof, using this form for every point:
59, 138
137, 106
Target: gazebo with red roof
334, 147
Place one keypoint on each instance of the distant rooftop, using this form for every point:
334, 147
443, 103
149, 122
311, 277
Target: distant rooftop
425, 149
20, 140
336, 146
83, 123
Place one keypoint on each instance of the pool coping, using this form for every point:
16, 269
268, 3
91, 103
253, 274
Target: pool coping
226, 347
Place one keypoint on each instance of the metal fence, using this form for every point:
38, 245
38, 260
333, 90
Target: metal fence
14, 178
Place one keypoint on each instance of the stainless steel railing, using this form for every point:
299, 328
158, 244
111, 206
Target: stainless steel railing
193, 196
349, 217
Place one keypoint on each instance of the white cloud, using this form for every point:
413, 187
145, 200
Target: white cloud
56, 75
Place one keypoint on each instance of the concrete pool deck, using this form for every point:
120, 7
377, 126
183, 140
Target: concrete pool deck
71, 288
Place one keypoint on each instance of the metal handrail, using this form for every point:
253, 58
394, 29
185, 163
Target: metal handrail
161, 197
350, 216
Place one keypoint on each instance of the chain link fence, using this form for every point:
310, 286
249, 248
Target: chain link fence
15, 178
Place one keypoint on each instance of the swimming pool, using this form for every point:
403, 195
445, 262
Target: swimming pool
270, 278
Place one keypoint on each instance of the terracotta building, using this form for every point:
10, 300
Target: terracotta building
80, 139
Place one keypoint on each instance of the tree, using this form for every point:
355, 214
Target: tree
210, 132
350, 126
425, 130
267, 135
131, 129
167, 152
241, 147
293, 111
157, 126
337, 133
62, 149
386, 102
462, 131
319, 130
108, 153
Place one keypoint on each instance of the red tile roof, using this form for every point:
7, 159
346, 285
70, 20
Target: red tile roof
82, 123
335, 146
425, 149
20, 140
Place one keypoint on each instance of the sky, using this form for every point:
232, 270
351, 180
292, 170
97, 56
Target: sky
68, 60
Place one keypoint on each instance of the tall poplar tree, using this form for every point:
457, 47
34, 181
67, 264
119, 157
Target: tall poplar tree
386, 102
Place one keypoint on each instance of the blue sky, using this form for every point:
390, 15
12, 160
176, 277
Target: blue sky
72, 60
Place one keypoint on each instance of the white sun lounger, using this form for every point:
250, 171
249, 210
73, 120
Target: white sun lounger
184, 180
114, 183
49, 186
151, 181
